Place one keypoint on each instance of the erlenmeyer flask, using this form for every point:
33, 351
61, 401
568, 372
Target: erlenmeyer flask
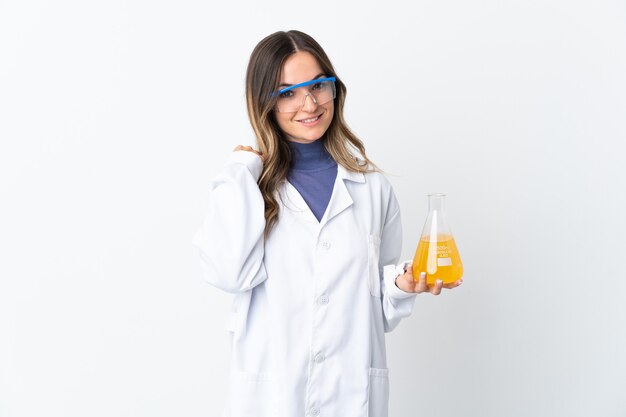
436, 253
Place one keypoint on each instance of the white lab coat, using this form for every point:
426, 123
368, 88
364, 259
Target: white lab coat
311, 302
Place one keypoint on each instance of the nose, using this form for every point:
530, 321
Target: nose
309, 105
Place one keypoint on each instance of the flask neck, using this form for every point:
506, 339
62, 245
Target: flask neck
436, 202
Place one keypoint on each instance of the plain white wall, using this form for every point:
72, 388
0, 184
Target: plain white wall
114, 115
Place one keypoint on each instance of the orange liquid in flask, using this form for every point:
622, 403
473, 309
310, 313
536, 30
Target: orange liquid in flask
440, 259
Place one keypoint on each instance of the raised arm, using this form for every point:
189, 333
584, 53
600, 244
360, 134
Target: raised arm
230, 240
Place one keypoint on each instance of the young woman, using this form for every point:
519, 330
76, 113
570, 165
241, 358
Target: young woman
300, 230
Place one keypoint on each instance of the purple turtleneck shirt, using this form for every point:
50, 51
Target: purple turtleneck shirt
312, 173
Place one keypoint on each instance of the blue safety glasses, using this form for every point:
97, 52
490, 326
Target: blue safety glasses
293, 98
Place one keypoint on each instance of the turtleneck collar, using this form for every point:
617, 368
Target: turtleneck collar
310, 156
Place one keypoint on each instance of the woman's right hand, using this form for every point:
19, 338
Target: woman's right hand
249, 149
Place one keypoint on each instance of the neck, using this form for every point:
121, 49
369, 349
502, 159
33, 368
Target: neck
310, 156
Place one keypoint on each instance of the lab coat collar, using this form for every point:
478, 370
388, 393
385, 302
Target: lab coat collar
343, 173
339, 200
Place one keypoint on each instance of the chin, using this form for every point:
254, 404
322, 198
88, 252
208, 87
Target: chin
312, 138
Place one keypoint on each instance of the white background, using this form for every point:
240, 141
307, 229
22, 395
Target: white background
114, 115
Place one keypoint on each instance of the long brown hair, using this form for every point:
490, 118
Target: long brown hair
262, 79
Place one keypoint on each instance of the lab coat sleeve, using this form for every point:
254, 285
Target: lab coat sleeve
230, 240
397, 303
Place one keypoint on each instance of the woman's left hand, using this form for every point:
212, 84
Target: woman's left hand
406, 283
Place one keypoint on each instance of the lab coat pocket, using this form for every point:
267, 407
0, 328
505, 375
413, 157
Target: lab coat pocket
250, 394
373, 253
378, 404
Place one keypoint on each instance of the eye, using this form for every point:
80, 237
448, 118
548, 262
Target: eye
317, 86
286, 94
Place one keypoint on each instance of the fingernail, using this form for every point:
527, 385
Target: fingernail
439, 281
422, 274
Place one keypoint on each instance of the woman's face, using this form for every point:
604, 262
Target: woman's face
310, 122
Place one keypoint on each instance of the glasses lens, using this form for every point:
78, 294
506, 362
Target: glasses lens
292, 100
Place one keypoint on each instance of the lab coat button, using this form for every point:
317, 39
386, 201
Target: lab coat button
325, 245
314, 412
319, 358
323, 300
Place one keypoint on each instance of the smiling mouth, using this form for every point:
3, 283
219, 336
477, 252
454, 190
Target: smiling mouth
310, 119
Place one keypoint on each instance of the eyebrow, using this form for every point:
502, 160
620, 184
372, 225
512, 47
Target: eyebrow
321, 75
